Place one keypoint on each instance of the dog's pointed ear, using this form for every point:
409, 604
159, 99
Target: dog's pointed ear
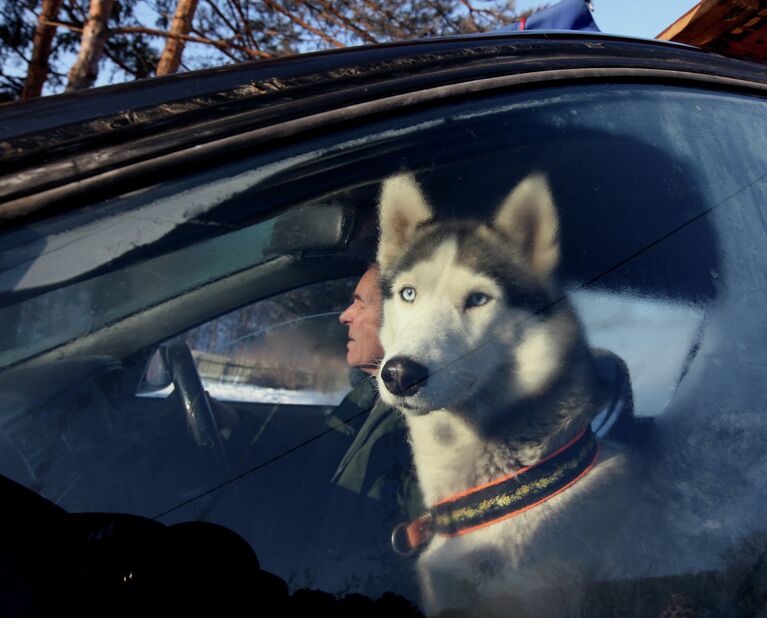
401, 208
528, 218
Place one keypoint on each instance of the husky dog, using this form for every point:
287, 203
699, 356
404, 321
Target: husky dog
488, 364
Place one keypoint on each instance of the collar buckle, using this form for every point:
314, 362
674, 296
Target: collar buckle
408, 537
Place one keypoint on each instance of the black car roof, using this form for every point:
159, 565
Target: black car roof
55, 148
44, 113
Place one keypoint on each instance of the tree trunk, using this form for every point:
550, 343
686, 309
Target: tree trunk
86, 68
41, 49
174, 45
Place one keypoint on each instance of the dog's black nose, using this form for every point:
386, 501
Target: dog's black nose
403, 376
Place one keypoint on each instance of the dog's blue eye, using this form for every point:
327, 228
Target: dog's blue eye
407, 294
476, 299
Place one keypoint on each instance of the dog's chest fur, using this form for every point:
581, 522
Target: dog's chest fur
451, 457
511, 567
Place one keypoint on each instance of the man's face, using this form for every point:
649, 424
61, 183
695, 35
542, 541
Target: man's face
363, 318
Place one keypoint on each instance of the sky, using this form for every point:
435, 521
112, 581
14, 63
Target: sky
640, 18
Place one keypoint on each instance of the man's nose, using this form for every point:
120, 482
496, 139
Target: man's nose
345, 317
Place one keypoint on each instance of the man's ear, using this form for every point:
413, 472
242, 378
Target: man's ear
528, 218
401, 207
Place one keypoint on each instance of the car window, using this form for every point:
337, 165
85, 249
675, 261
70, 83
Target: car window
653, 288
88, 274
287, 349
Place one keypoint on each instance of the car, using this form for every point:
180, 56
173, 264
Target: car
176, 252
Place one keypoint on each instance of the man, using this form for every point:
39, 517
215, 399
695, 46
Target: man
378, 463
363, 318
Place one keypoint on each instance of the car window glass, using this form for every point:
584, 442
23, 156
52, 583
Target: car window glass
288, 349
647, 228
96, 296
658, 194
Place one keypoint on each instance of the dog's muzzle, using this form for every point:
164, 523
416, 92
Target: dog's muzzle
403, 377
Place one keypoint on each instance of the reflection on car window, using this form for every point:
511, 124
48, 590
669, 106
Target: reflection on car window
114, 280
287, 349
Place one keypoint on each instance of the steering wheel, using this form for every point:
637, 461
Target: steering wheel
197, 410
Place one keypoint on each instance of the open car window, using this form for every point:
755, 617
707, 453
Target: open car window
659, 196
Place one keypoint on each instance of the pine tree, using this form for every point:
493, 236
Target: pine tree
95, 32
38, 69
46, 43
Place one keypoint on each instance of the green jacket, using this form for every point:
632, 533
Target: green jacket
378, 464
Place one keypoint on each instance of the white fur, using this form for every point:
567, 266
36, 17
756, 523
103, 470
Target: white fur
527, 216
455, 349
402, 207
537, 358
542, 550
440, 477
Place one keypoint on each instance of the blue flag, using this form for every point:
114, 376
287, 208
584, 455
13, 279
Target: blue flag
566, 15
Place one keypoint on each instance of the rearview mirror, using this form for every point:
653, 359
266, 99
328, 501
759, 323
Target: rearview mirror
157, 375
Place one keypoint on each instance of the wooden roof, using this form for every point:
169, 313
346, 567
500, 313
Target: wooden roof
732, 27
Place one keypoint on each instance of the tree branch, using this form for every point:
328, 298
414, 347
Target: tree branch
324, 20
221, 44
212, 4
359, 15
245, 24
20, 54
445, 16
348, 24
306, 26
390, 17
472, 10
224, 50
13, 80
108, 53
